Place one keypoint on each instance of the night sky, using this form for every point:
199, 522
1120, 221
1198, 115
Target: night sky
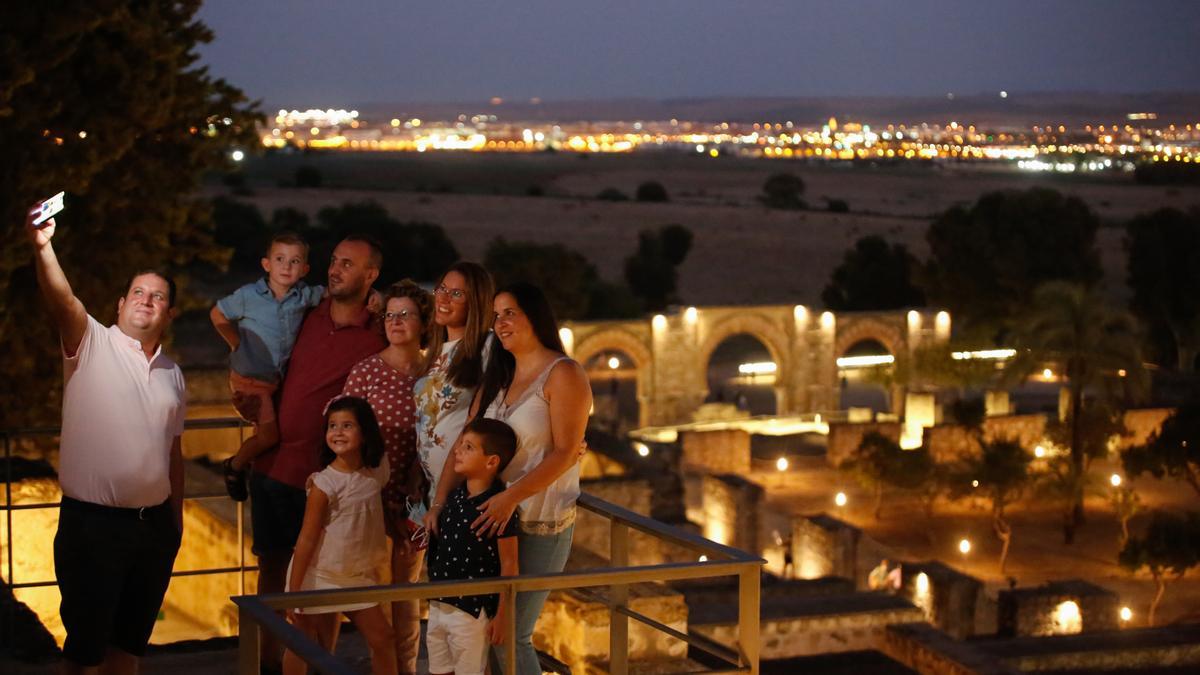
301, 53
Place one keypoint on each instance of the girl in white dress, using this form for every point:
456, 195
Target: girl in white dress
342, 543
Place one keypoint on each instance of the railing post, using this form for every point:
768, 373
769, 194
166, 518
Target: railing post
748, 612
249, 643
510, 630
618, 623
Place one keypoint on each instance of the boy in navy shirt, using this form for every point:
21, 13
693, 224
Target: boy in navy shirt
461, 628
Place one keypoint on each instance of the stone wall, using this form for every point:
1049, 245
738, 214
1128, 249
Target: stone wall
592, 530
725, 451
1142, 424
842, 630
931, 652
733, 512
825, 547
949, 598
574, 625
844, 438
1035, 611
953, 442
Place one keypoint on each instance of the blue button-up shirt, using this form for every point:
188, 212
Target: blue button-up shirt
267, 327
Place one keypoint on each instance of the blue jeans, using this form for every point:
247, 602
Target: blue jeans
538, 554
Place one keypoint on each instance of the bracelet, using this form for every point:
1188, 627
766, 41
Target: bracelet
435, 505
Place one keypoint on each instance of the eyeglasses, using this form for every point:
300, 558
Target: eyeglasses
402, 315
456, 294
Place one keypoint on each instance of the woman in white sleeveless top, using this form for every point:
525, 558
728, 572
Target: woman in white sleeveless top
545, 397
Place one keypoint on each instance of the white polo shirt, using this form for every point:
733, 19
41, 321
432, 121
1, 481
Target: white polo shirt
121, 414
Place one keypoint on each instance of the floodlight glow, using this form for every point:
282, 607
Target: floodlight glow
865, 361
641, 448
996, 354
840, 499
781, 464
964, 546
760, 368
1126, 614
614, 362
1115, 479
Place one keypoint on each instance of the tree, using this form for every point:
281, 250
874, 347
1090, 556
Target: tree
415, 249
879, 462
651, 270
1002, 472
651, 191
1164, 275
1126, 504
783, 191
1174, 450
106, 101
873, 276
612, 194
565, 275
1092, 343
1168, 548
986, 260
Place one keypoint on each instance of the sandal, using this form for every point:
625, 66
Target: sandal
235, 481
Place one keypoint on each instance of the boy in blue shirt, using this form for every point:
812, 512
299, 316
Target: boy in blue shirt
461, 628
260, 322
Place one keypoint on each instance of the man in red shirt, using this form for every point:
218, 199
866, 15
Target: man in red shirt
335, 335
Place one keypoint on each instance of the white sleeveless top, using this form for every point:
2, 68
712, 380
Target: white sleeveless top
553, 509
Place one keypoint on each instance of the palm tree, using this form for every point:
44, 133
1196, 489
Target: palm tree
1095, 345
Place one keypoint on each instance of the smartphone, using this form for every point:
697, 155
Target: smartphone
49, 208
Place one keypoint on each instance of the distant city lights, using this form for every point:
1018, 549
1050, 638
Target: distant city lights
1050, 148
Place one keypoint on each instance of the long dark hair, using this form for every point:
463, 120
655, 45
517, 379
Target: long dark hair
466, 365
372, 448
501, 364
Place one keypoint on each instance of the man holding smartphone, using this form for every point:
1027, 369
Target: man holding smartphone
120, 463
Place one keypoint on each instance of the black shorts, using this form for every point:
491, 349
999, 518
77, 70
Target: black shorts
276, 514
113, 567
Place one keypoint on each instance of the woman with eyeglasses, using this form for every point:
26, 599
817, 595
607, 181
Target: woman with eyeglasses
386, 380
462, 319
533, 386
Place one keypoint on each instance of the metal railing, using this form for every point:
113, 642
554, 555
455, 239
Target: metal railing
262, 612
10, 436
257, 613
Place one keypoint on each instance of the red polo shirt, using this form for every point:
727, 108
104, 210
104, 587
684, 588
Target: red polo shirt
320, 362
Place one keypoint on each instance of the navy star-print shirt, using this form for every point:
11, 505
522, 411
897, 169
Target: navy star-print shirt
458, 554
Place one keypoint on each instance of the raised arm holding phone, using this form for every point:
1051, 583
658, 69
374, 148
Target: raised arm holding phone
120, 463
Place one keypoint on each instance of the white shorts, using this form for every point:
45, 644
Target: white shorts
456, 641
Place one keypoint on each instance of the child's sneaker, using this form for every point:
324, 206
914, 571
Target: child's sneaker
235, 481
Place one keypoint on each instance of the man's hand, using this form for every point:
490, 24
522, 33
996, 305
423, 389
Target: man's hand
38, 236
